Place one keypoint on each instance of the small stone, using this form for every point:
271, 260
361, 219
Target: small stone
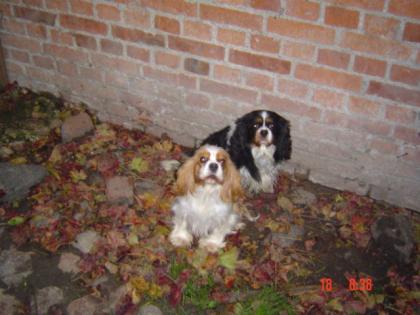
86, 305
85, 241
287, 239
119, 189
14, 266
69, 263
76, 126
170, 165
45, 298
149, 309
302, 197
16, 180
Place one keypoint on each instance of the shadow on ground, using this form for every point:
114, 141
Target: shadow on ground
85, 217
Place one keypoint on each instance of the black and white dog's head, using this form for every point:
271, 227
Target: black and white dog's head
265, 128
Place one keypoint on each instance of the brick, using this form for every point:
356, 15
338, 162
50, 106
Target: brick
412, 32
43, 62
400, 114
259, 81
59, 37
196, 47
228, 36
83, 24
341, 17
197, 100
298, 50
405, 74
66, 53
59, 5
224, 73
284, 105
198, 30
167, 24
116, 79
17, 41
376, 5
229, 91
18, 55
81, 7
91, 73
333, 58
137, 17
329, 77
13, 26
384, 146
292, 88
259, 62
108, 12
103, 61
381, 26
170, 78
408, 135
5, 9
111, 47
36, 30
36, 16
369, 66
303, 9
301, 30
34, 3
14, 68
375, 45
231, 17
181, 7
85, 41
196, 66
270, 5
138, 53
410, 8
395, 93
167, 59
361, 106
412, 154
329, 99
67, 68
134, 35
265, 44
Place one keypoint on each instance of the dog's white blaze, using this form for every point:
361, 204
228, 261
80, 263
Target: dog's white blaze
264, 116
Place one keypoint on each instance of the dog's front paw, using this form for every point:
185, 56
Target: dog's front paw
180, 240
211, 246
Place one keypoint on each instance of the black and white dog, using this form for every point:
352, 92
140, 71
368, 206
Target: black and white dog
257, 142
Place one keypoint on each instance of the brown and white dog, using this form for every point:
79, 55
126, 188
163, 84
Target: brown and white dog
208, 185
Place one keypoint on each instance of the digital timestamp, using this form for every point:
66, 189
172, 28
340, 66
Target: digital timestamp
361, 284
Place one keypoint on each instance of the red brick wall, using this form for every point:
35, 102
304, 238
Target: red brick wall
345, 72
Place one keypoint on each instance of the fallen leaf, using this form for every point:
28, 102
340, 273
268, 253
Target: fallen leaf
229, 258
139, 165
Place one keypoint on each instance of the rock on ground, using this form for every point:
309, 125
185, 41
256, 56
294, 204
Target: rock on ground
14, 266
84, 306
85, 241
301, 196
68, 263
119, 189
149, 309
76, 126
45, 298
16, 180
394, 234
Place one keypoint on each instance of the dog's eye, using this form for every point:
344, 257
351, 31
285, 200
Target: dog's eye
203, 159
256, 126
271, 126
222, 162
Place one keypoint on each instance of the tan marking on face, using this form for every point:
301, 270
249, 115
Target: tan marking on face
221, 157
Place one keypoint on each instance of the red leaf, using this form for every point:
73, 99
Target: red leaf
175, 294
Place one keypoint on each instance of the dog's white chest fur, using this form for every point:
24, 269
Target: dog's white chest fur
264, 160
203, 210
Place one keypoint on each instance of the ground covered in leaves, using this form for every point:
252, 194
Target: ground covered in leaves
95, 229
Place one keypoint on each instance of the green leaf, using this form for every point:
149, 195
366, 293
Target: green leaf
229, 259
139, 165
16, 220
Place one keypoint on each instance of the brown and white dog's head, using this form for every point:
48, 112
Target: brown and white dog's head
210, 165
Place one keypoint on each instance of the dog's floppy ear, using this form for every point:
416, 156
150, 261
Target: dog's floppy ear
284, 142
185, 182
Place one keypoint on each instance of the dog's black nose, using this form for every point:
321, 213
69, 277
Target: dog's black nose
264, 133
213, 167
